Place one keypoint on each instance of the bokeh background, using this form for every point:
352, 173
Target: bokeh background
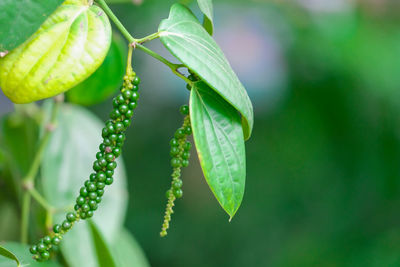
323, 175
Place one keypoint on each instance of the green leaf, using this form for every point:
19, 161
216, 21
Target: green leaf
67, 163
128, 252
20, 19
21, 252
105, 259
218, 136
188, 41
206, 6
105, 80
8, 254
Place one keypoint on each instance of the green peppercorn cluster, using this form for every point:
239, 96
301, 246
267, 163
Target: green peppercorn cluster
91, 193
180, 153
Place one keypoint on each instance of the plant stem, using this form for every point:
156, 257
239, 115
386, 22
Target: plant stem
137, 42
172, 66
116, 21
41, 200
28, 180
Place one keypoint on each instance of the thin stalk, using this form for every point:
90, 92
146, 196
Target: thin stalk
28, 180
41, 200
174, 67
137, 42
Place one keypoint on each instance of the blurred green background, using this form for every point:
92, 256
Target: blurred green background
323, 172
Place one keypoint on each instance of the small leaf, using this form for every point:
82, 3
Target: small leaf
105, 259
67, 163
206, 6
8, 254
105, 80
20, 19
21, 252
218, 136
188, 41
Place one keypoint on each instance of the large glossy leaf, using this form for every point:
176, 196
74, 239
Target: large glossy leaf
206, 7
105, 80
67, 163
219, 142
25, 258
188, 41
103, 251
19, 19
127, 251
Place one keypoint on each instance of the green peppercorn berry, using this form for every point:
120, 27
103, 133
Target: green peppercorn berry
57, 228
178, 193
186, 155
92, 177
110, 128
185, 163
92, 195
87, 182
127, 94
187, 146
121, 137
45, 255
136, 80
83, 191
188, 130
119, 144
47, 239
115, 102
174, 142
93, 204
116, 151
56, 240
91, 187
102, 147
176, 184
85, 207
71, 216
109, 173
102, 162
100, 185
111, 165
107, 141
33, 249
104, 133
174, 151
123, 108
132, 105
115, 114
89, 214
100, 192
180, 133
76, 207
126, 123
120, 99
96, 166
175, 162
129, 114
110, 157
98, 199
41, 247
101, 176
109, 180
119, 126
135, 96
66, 224
80, 201
113, 137
82, 214
184, 109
